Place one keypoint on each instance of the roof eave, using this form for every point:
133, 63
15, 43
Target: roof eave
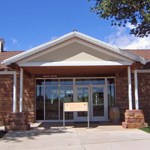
70, 35
36, 49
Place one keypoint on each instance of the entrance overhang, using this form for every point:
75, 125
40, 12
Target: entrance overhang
76, 63
74, 71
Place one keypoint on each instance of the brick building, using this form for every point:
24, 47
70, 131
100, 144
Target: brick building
74, 68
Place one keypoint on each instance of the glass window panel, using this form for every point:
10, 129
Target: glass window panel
40, 103
111, 92
90, 81
51, 82
110, 81
98, 101
66, 82
97, 82
51, 103
39, 82
66, 95
82, 96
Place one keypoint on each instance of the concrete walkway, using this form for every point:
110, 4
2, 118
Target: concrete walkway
57, 138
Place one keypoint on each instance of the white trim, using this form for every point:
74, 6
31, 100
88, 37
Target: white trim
67, 37
106, 99
143, 71
136, 85
21, 90
14, 87
15, 92
129, 88
136, 90
77, 63
7, 72
75, 77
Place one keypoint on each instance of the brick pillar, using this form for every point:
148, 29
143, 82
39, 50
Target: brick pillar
16, 121
134, 119
1, 120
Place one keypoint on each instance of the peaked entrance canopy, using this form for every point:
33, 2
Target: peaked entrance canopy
74, 49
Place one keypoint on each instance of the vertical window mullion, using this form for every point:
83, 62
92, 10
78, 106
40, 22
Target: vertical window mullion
44, 98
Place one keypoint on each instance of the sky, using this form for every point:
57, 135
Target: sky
25, 24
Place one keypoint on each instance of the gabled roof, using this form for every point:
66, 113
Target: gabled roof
67, 37
140, 52
7, 54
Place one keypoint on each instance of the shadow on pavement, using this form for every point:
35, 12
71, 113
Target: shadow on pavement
46, 128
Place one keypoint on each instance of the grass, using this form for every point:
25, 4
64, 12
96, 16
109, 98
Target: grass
2, 133
146, 129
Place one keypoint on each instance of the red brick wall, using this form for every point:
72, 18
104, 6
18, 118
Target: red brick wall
122, 92
6, 92
144, 94
6, 95
29, 97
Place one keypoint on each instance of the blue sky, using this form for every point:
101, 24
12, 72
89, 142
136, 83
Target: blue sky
28, 23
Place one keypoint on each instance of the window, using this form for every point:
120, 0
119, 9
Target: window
111, 91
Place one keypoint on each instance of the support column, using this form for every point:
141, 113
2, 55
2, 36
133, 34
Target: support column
21, 89
16, 120
129, 88
14, 93
133, 118
136, 90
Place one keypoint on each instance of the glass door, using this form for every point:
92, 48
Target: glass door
82, 95
96, 98
97, 103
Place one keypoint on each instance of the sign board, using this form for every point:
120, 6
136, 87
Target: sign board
76, 106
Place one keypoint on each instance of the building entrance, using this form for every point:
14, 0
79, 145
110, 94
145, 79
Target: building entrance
52, 93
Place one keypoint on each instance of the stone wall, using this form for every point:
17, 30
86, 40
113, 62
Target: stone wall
134, 119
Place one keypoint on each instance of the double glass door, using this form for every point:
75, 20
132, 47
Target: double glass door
96, 98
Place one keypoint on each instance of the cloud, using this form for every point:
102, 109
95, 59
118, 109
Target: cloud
53, 38
14, 41
121, 38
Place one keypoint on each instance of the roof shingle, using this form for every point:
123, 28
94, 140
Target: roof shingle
7, 54
144, 53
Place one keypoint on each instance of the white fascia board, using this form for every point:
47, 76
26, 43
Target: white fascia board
76, 63
7, 72
67, 37
143, 71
